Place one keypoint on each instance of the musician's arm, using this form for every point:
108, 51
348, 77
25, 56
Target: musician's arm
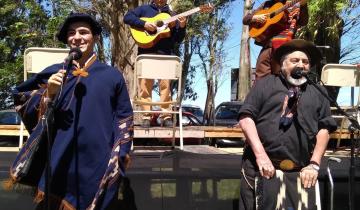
178, 32
132, 18
326, 125
322, 139
304, 15
248, 18
309, 174
263, 161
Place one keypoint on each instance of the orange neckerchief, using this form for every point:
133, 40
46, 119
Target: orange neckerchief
82, 72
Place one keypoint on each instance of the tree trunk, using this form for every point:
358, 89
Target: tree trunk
245, 68
209, 105
123, 47
210, 98
185, 66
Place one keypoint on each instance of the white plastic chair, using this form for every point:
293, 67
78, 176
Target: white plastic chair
156, 67
37, 59
342, 75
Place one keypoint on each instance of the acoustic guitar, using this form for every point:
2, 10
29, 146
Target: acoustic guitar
163, 21
272, 25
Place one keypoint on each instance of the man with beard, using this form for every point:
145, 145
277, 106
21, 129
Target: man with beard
286, 122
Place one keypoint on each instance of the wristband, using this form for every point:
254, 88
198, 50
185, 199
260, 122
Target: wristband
314, 165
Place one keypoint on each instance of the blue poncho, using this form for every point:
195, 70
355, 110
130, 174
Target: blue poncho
93, 134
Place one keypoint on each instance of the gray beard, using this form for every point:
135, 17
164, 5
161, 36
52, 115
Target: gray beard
293, 81
296, 82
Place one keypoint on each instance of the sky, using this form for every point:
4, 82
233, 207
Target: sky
232, 48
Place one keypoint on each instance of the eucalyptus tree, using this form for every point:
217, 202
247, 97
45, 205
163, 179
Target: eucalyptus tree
211, 51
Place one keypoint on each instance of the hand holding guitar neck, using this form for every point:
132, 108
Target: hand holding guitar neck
182, 21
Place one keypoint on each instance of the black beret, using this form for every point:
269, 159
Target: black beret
298, 45
77, 17
307, 47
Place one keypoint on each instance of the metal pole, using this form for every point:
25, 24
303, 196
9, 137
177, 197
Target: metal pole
331, 180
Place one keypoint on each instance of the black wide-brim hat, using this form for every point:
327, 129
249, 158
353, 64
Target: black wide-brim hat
78, 17
298, 45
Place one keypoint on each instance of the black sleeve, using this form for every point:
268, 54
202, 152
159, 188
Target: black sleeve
132, 18
254, 100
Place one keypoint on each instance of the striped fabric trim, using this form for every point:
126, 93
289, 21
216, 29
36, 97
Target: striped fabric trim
288, 34
114, 169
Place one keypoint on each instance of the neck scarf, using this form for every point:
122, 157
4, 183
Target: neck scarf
82, 72
289, 107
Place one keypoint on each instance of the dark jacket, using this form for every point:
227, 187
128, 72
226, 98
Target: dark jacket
264, 104
163, 46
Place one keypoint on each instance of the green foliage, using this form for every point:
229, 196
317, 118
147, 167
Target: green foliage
318, 9
334, 23
24, 24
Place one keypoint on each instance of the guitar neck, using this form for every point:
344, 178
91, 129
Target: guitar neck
184, 14
286, 6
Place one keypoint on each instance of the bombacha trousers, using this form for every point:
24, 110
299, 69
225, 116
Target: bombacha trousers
146, 87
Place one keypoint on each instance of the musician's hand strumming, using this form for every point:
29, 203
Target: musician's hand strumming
259, 18
151, 27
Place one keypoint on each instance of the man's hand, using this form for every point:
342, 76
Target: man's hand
182, 21
265, 165
308, 176
259, 18
151, 27
54, 83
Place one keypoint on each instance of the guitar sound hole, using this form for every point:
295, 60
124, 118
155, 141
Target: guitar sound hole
159, 23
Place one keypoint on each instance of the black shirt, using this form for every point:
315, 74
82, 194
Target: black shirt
264, 104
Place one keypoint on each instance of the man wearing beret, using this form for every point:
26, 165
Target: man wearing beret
93, 126
286, 122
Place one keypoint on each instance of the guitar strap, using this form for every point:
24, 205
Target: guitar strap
293, 15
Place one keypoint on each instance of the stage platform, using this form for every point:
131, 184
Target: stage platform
197, 178
188, 131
